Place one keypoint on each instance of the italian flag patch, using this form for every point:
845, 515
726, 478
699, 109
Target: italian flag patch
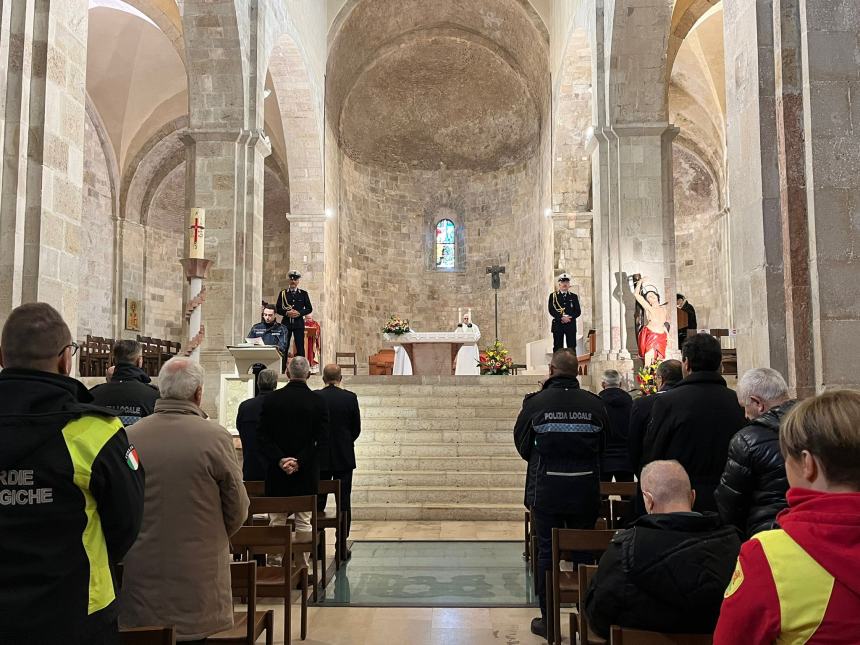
131, 458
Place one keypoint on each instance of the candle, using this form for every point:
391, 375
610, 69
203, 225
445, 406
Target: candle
196, 229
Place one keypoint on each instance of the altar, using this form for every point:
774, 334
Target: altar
430, 353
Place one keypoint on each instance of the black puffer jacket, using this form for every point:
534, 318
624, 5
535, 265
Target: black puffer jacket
753, 486
667, 573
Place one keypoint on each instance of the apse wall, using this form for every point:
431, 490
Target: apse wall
387, 222
700, 241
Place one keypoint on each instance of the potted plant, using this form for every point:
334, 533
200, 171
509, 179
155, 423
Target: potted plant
495, 360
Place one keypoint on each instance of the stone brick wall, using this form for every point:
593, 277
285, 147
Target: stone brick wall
276, 236
386, 232
96, 260
700, 239
165, 281
573, 255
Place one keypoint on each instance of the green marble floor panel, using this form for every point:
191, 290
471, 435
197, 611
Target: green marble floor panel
432, 574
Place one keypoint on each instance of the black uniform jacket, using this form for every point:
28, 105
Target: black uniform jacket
344, 428
667, 573
694, 424
274, 334
298, 300
71, 503
753, 486
568, 302
618, 405
293, 423
129, 394
247, 422
560, 432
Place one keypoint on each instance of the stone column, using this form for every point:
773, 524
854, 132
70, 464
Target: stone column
831, 80
225, 177
572, 253
307, 255
43, 54
756, 248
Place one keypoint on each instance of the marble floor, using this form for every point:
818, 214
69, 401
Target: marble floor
418, 625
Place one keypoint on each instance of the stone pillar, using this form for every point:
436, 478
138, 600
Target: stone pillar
831, 80
572, 254
43, 55
225, 177
130, 258
307, 255
756, 248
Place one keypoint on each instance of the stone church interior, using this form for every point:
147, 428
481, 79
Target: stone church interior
385, 193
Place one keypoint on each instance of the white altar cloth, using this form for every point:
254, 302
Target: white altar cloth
402, 364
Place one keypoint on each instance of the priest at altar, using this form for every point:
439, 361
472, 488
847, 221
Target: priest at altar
468, 355
462, 359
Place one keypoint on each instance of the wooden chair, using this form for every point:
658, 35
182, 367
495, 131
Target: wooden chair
621, 636
584, 359
563, 586
147, 636
621, 489
98, 355
255, 488
247, 625
346, 365
620, 511
302, 542
332, 520
273, 581
381, 363
516, 367
579, 623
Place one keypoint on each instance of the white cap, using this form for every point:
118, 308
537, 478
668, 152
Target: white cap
563, 276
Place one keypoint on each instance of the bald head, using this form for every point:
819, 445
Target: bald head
564, 363
332, 374
666, 488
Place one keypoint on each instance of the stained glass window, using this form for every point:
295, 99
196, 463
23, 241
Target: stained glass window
446, 245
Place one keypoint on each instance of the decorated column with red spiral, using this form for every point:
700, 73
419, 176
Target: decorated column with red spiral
196, 270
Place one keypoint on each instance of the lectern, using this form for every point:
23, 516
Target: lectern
246, 355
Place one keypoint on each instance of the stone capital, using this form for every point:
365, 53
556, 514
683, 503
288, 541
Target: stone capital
252, 138
307, 217
576, 216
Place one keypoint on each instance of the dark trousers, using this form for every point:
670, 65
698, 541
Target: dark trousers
620, 475
298, 333
561, 333
545, 523
345, 477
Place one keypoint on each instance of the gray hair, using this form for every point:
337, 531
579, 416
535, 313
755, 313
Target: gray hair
179, 378
763, 382
612, 378
267, 380
299, 368
666, 481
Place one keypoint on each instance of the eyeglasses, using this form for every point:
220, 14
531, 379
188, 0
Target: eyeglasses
74, 347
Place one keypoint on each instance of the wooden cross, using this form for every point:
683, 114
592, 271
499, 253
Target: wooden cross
197, 227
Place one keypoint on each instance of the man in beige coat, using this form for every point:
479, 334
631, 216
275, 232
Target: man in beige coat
178, 571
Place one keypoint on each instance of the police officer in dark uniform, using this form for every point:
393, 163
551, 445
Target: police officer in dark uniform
271, 331
560, 432
564, 308
294, 304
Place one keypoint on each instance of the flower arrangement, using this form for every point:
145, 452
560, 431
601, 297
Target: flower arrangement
396, 325
495, 360
646, 377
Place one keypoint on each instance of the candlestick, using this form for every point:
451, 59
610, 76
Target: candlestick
195, 239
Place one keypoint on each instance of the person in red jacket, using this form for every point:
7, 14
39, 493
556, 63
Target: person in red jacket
801, 583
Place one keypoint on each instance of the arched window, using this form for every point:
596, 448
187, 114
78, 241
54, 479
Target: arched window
446, 245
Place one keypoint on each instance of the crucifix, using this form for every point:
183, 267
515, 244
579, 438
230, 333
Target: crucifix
496, 272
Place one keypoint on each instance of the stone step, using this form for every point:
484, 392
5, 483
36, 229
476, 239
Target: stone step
433, 478
438, 412
437, 494
433, 449
437, 436
496, 463
410, 425
513, 401
437, 512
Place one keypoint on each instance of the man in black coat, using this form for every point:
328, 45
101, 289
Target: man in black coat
695, 422
337, 458
247, 421
563, 306
561, 429
293, 424
666, 377
669, 571
753, 486
128, 393
616, 462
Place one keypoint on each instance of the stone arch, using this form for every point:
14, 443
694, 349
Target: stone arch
685, 15
165, 15
155, 159
301, 119
108, 151
638, 76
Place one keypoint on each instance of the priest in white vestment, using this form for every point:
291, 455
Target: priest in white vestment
467, 356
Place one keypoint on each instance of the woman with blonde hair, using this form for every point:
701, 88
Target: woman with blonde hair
801, 583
